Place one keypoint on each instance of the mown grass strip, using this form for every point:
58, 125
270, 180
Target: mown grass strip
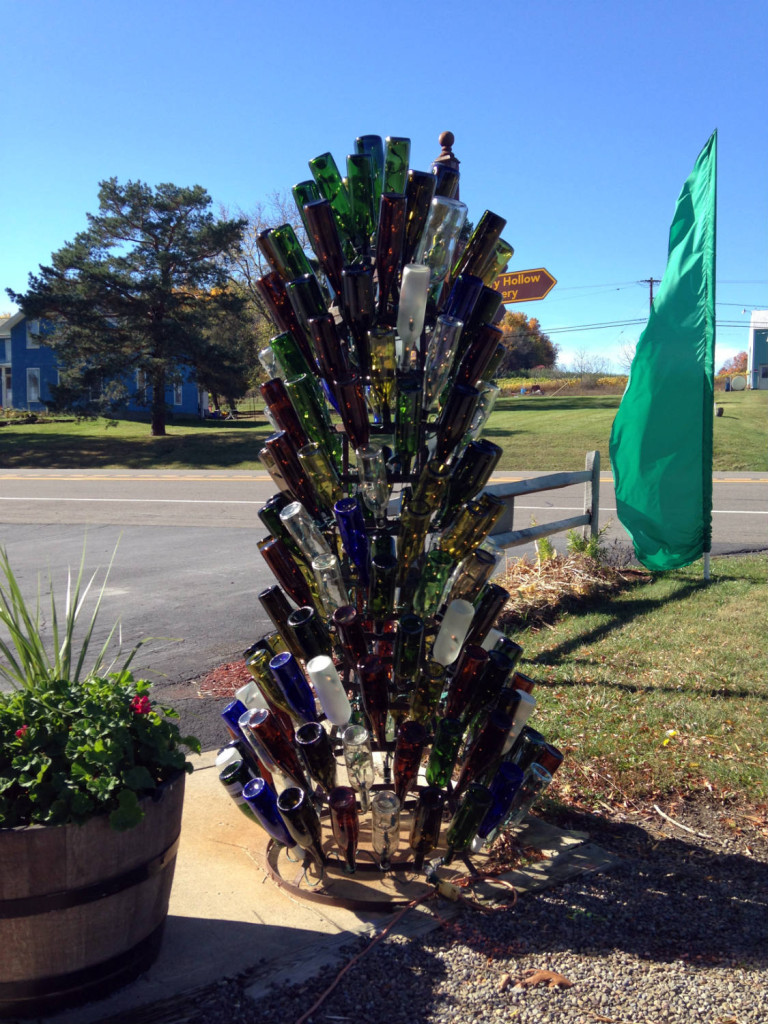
535, 433
661, 688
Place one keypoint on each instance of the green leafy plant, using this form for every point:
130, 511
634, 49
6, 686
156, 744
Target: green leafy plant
545, 549
76, 741
592, 547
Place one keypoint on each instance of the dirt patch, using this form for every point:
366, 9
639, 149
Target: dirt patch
222, 682
541, 591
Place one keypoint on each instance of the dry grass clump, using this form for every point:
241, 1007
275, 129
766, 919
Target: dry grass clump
540, 591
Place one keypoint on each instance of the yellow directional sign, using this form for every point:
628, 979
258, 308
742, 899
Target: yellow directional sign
524, 285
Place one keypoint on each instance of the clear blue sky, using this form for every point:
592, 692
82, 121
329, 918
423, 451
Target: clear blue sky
577, 121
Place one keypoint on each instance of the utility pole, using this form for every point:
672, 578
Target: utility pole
650, 281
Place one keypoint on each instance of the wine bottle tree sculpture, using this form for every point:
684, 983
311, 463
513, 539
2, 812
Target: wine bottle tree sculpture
383, 658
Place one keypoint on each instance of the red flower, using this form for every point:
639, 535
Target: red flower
141, 705
22, 732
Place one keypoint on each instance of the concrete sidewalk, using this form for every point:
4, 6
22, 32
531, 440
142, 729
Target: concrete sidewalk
227, 916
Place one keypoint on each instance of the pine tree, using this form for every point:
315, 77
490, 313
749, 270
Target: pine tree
137, 291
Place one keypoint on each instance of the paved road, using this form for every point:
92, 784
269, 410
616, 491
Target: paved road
187, 569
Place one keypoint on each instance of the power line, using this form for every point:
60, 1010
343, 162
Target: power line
627, 323
608, 284
594, 327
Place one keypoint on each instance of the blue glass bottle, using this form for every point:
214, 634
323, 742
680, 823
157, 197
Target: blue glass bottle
294, 685
505, 784
349, 517
262, 800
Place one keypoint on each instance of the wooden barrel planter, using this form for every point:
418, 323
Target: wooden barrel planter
82, 907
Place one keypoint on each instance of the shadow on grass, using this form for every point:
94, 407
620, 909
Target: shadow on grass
620, 614
221, 445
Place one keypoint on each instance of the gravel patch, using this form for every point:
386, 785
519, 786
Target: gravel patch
676, 932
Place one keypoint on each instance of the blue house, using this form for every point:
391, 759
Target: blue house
28, 370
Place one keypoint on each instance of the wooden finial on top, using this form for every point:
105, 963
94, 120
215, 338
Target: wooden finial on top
446, 140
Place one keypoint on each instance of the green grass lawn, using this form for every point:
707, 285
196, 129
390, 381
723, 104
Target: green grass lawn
660, 688
536, 433
117, 444
555, 433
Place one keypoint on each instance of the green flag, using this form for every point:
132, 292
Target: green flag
661, 442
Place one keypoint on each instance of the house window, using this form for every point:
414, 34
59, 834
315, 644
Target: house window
143, 388
33, 329
177, 395
33, 384
6, 350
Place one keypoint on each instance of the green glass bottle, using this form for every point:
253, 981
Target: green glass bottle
437, 567
396, 158
476, 358
414, 526
233, 778
445, 750
272, 290
313, 415
427, 693
408, 420
497, 262
275, 604
363, 216
494, 508
381, 345
300, 817
291, 258
330, 184
467, 820
381, 589
373, 147
432, 484
322, 473
427, 822
306, 300
458, 539
409, 649
291, 360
